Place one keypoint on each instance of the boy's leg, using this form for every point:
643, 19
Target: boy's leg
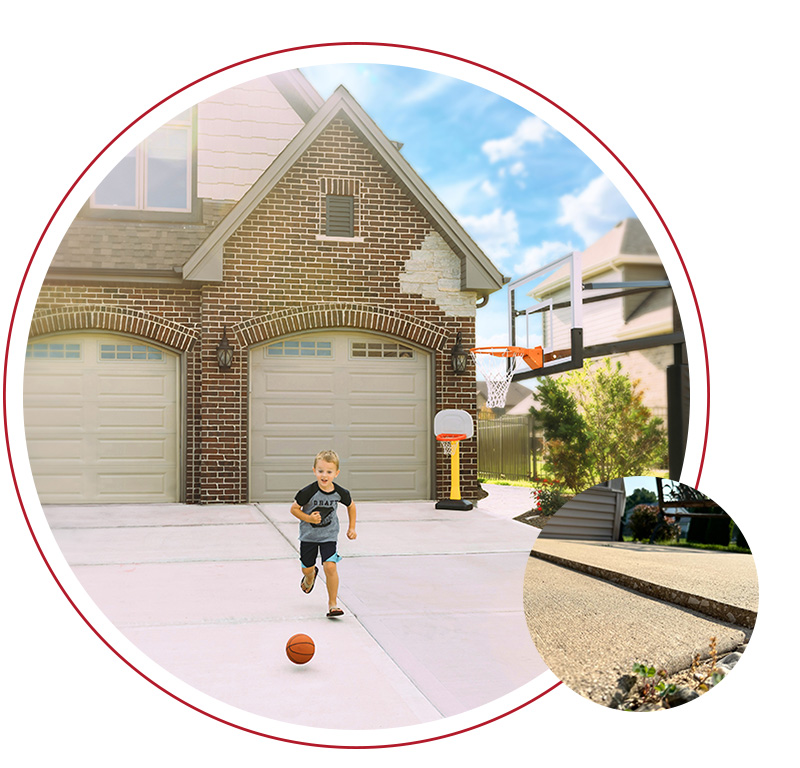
330, 557
308, 557
332, 583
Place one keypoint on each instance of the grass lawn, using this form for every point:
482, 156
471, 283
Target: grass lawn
695, 545
517, 483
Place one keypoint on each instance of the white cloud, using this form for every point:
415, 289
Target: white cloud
530, 131
488, 188
455, 194
539, 255
433, 86
518, 169
497, 233
594, 210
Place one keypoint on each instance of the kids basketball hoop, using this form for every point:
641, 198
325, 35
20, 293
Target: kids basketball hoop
498, 365
451, 427
448, 442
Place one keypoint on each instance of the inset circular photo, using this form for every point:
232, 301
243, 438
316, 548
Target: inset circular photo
641, 594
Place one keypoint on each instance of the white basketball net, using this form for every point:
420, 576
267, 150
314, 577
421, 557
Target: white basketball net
498, 372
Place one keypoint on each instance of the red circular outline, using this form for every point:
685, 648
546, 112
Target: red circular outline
77, 181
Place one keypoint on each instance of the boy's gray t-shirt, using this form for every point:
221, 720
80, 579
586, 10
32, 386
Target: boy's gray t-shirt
313, 497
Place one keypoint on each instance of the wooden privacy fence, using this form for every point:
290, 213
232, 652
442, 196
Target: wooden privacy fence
506, 448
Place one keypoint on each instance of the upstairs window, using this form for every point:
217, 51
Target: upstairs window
155, 176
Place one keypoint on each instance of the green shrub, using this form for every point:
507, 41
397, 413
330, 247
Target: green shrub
644, 518
548, 497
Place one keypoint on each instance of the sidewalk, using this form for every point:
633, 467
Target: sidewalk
434, 625
596, 608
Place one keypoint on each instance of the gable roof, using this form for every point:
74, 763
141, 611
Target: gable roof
478, 273
626, 243
298, 92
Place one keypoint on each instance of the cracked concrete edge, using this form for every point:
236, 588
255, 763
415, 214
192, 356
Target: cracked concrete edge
731, 614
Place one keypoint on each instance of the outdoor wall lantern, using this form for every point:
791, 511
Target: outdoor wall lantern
224, 352
458, 356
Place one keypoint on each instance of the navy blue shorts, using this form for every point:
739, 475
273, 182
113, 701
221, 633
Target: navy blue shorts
326, 550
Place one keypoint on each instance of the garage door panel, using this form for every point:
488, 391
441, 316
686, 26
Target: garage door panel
385, 416
115, 417
131, 484
379, 383
133, 419
50, 448
131, 448
300, 414
54, 416
283, 485
140, 387
374, 412
378, 482
295, 447
311, 379
69, 487
64, 383
369, 447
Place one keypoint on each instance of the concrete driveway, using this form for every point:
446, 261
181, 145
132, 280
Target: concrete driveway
434, 622
596, 608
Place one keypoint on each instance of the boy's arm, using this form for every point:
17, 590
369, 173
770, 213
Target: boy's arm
297, 511
351, 516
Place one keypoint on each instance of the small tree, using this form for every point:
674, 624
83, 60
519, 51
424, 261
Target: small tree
639, 496
565, 433
596, 426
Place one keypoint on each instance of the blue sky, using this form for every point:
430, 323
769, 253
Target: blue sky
524, 192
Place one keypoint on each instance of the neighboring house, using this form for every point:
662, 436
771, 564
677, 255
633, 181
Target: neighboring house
595, 514
519, 401
295, 232
625, 253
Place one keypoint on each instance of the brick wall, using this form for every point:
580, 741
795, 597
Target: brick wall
397, 276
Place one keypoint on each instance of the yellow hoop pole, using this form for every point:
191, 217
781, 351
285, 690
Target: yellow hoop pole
455, 486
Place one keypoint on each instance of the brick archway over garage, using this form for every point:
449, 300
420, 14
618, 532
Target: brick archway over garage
132, 322
364, 317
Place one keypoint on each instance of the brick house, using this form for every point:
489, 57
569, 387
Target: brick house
295, 232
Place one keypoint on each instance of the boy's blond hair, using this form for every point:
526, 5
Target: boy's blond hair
330, 456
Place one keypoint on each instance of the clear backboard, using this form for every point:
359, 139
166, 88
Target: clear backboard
545, 309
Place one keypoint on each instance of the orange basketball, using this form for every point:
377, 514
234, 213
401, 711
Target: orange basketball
300, 649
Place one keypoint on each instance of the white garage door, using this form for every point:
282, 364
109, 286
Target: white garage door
101, 419
365, 396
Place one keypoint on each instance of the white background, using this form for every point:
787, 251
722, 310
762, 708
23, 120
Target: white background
696, 99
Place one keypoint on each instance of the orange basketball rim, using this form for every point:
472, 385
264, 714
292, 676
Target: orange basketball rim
533, 358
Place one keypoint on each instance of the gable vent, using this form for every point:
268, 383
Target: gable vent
339, 196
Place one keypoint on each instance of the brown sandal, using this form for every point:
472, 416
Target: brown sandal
303, 581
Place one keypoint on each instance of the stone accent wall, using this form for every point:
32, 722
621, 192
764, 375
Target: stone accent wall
434, 272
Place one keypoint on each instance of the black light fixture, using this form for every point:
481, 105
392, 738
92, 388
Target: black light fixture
458, 356
224, 352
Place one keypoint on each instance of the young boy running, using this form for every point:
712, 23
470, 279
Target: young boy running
315, 506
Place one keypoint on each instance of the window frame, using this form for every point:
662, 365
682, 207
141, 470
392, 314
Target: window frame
140, 211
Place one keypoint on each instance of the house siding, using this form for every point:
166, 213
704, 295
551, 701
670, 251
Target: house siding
240, 132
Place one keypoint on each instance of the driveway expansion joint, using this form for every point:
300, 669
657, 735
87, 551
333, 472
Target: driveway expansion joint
726, 612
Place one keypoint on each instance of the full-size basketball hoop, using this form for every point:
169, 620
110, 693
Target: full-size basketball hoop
498, 365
